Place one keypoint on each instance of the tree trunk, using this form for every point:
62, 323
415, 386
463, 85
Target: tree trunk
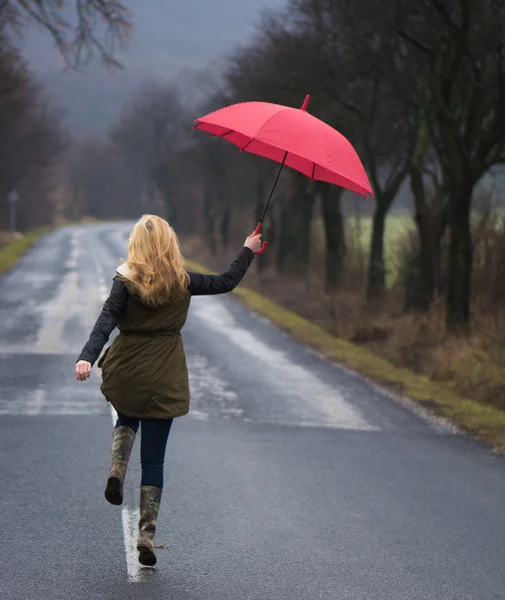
285, 238
261, 198
150, 204
164, 182
4, 212
171, 212
296, 221
304, 236
460, 260
224, 226
208, 219
334, 235
431, 223
376, 268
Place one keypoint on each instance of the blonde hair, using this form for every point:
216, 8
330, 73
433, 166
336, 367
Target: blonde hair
155, 258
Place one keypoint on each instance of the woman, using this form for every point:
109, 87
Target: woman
144, 374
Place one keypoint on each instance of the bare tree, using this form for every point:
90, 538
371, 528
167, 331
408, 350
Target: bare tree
431, 217
151, 134
361, 70
88, 26
458, 51
345, 55
102, 184
32, 136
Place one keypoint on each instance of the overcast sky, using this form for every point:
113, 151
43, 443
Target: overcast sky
171, 36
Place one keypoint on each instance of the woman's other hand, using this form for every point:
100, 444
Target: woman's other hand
253, 242
82, 370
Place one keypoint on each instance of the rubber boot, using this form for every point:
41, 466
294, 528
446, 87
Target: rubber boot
150, 498
122, 444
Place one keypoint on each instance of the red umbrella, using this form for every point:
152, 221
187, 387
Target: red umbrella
292, 137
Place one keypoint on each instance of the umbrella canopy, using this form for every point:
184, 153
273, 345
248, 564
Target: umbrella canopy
292, 137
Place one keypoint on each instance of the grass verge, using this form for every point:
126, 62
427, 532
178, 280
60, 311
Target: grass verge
11, 253
483, 422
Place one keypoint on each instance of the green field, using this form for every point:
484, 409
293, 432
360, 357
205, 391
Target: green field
359, 232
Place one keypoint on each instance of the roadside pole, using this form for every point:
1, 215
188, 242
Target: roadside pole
12, 199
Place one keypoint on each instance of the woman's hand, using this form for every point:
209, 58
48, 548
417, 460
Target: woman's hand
82, 370
253, 242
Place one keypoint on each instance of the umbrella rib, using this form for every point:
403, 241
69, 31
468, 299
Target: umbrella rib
242, 149
313, 170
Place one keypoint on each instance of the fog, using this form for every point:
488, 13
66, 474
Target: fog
170, 40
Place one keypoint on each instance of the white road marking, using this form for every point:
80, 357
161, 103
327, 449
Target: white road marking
113, 414
198, 414
130, 519
57, 312
61, 308
130, 516
38, 400
210, 393
77, 300
51, 399
104, 293
71, 262
311, 401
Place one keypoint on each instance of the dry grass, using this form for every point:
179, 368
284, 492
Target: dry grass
472, 366
7, 237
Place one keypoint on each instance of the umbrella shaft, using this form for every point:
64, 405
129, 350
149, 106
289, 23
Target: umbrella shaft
273, 188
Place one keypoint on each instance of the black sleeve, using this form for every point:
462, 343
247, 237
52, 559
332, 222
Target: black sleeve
205, 285
112, 309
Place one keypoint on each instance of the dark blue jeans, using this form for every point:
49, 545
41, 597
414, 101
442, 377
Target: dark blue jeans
153, 442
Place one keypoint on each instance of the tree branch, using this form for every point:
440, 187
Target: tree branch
115, 16
419, 45
441, 8
488, 142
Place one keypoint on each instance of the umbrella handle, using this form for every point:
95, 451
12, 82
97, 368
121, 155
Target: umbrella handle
265, 244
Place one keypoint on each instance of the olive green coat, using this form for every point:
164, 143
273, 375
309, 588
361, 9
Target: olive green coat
144, 373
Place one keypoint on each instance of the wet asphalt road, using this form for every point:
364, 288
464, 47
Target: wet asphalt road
290, 478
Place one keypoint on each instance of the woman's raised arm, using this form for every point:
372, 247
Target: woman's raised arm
206, 285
